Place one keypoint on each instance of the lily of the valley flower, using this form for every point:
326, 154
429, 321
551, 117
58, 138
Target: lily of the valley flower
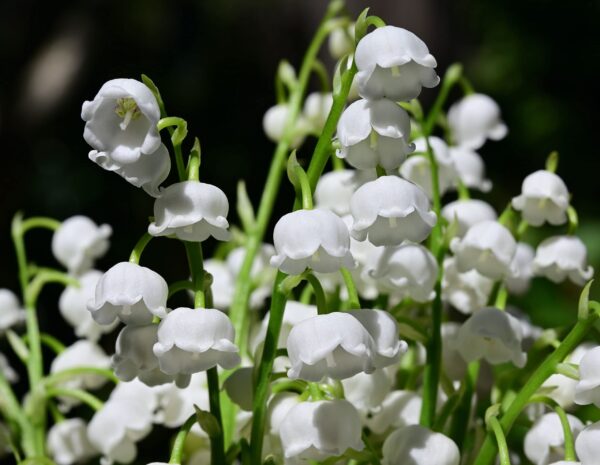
417, 445
522, 265
560, 257
468, 291
11, 311
398, 409
334, 189
68, 443
587, 390
367, 391
544, 198
544, 442
587, 444
394, 63
274, 123
468, 213
470, 168
316, 109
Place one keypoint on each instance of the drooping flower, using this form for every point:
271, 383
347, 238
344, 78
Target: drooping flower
274, 123
316, 110
11, 311
192, 211
587, 390
468, 291
487, 247
544, 198
294, 313
394, 63
132, 293
587, 444
408, 270
334, 189
121, 121
398, 409
319, 430
474, 119
493, 335
522, 265
73, 307
191, 340
78, 242
468, 213
341, 41
277, 409
316, 239
470, 168
7, 371
335, 345
417, 445
389, 210
367, 391
544, 442
374, 133
67, 442
560, 257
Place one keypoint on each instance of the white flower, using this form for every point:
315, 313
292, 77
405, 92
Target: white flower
383, 329
467, 292
192, 211
418, 170
316, 239
518, 283
470, 168
175, 405
544, 198
544, 442
294, 313
322, 429
277, 409
417, 445
78, 242
587, 444
274, 123
398, 409
316, 110
367, 391
121, 121
147, 172
73, 307
261, 272
493, 335
468, 213
132, 293
334, 189
390, 210
560, 257
11, 311
7, 371
394, 63
487, 247
195, 340
374, 133
68, 443
341, 41
474, 119
587, 390
134, 357
335, 345
408, 270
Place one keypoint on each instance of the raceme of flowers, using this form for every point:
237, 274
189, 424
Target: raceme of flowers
377, 328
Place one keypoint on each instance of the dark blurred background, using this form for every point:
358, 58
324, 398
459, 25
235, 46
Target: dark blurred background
214, 63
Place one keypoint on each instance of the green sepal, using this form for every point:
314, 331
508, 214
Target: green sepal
583, 309
207, 422
552, 162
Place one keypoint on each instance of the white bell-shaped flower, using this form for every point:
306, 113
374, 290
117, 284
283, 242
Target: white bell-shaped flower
417, 445
468, 213
467, 292
544, 442
191, 211
274, 123
316, 239
175, 405
319, 430
560, 257
394, 63
470, 168
78, 242
493, 335
67, 442
262, 274
389, 210
341, 41
408, 270
132, 293
11, 311
316, 110
73, 307
383, 329
474, 119
134, 357
522, 265
294, 313
587, 444
223, 283
147, 172
544, 198
334, 189
120, 123
193, 340
367, 391
374, 132
587, 390
487, 247
335, 345
418, 170
277, 409
7, 371
398, 409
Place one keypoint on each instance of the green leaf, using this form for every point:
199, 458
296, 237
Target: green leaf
340, 69
292, 165
244, 207
17, 345
584, 301
360, 28
207, 422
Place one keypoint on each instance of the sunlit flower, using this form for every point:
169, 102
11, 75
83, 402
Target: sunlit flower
334, 189
544, 198
560, 257
468, 213
367, 391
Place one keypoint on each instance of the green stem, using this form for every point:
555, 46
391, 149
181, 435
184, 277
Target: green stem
194, 256
217, 445
138, 249
494, 424
501, 297
460, 420
177, 136
177, 450
305, 190
570, 455
51, 342
74, 372
544, 371
318, 292
40, 222
353, 299
79, 394
45, 277
178, 286
451, 77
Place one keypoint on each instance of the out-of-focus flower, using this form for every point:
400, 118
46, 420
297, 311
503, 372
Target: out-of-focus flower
274, 123
468, 291
544, 442
417, 445
587, 444
11, 311
522, 265
468, 213
587, 390
560, 257
398, 409
68, 443
470, 168
544, 198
